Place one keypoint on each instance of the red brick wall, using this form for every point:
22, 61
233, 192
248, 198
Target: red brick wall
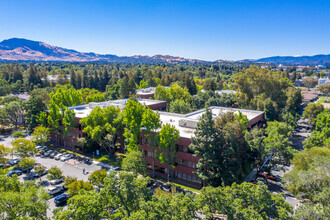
146, 96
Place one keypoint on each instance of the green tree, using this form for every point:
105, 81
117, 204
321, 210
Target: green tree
168, 138
54, 173
24, 148
135, 162
124, 192
310, 82
207, 144
8, 98
26, 163
235, 151
177, 207
86, 206
22, 200
14, 112
255, 139
66, 96
277, 142
180, 106
40, 135
18, 134
150, 123
321, 135
4, 151
69, 179
97, 178
244, 201
325, 88
294, 101
101, 125
78, 187
133, 114
311, 112
309, 179
40, 170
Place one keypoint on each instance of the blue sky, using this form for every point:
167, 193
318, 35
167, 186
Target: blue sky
201, 29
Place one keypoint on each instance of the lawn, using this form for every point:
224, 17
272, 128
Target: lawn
323, 99
182, 185
114, 161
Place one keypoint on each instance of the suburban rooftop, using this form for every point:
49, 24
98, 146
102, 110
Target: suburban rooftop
83, 111
186, 124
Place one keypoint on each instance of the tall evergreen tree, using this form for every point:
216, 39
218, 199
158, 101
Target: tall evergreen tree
105, 78
207, 143
73, 79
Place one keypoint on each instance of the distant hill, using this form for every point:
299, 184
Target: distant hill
27, 50
296, 60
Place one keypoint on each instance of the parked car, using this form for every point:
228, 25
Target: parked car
260, 179
88, 161
60, 200
112, 169
56, 190
53, 154
14, 172
66, 157
13, 162
47, 153
34, 174
41, 148
4, 165
267, 176
58, 156
56, 181
25, 170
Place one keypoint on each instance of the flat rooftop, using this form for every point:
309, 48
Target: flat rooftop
186, 124
146, 91
83, 111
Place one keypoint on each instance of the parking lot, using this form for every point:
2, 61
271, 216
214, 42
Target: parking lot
72, 167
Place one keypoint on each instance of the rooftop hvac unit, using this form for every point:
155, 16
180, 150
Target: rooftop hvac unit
188, 123
92, 105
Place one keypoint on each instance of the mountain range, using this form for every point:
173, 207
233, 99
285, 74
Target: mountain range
19, 49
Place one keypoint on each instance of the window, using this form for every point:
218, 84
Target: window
149, 154
143, 140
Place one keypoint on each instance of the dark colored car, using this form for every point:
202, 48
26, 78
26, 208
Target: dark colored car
13, 162
4, 165
56, 190
60, 200
88, 161
14, 172
25, 170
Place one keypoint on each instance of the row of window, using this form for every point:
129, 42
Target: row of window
178, 161
185, 163
191, 178
179, 148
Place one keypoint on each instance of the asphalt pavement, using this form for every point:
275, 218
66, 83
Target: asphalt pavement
72, 167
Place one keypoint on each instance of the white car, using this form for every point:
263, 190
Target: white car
112, 169
48, 153
56, 181
39, 148
58, 156
66, 157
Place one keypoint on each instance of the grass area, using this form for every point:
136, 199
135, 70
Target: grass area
323, 99
114, 161
182, 185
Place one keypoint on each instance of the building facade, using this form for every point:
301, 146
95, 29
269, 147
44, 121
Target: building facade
185, 162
